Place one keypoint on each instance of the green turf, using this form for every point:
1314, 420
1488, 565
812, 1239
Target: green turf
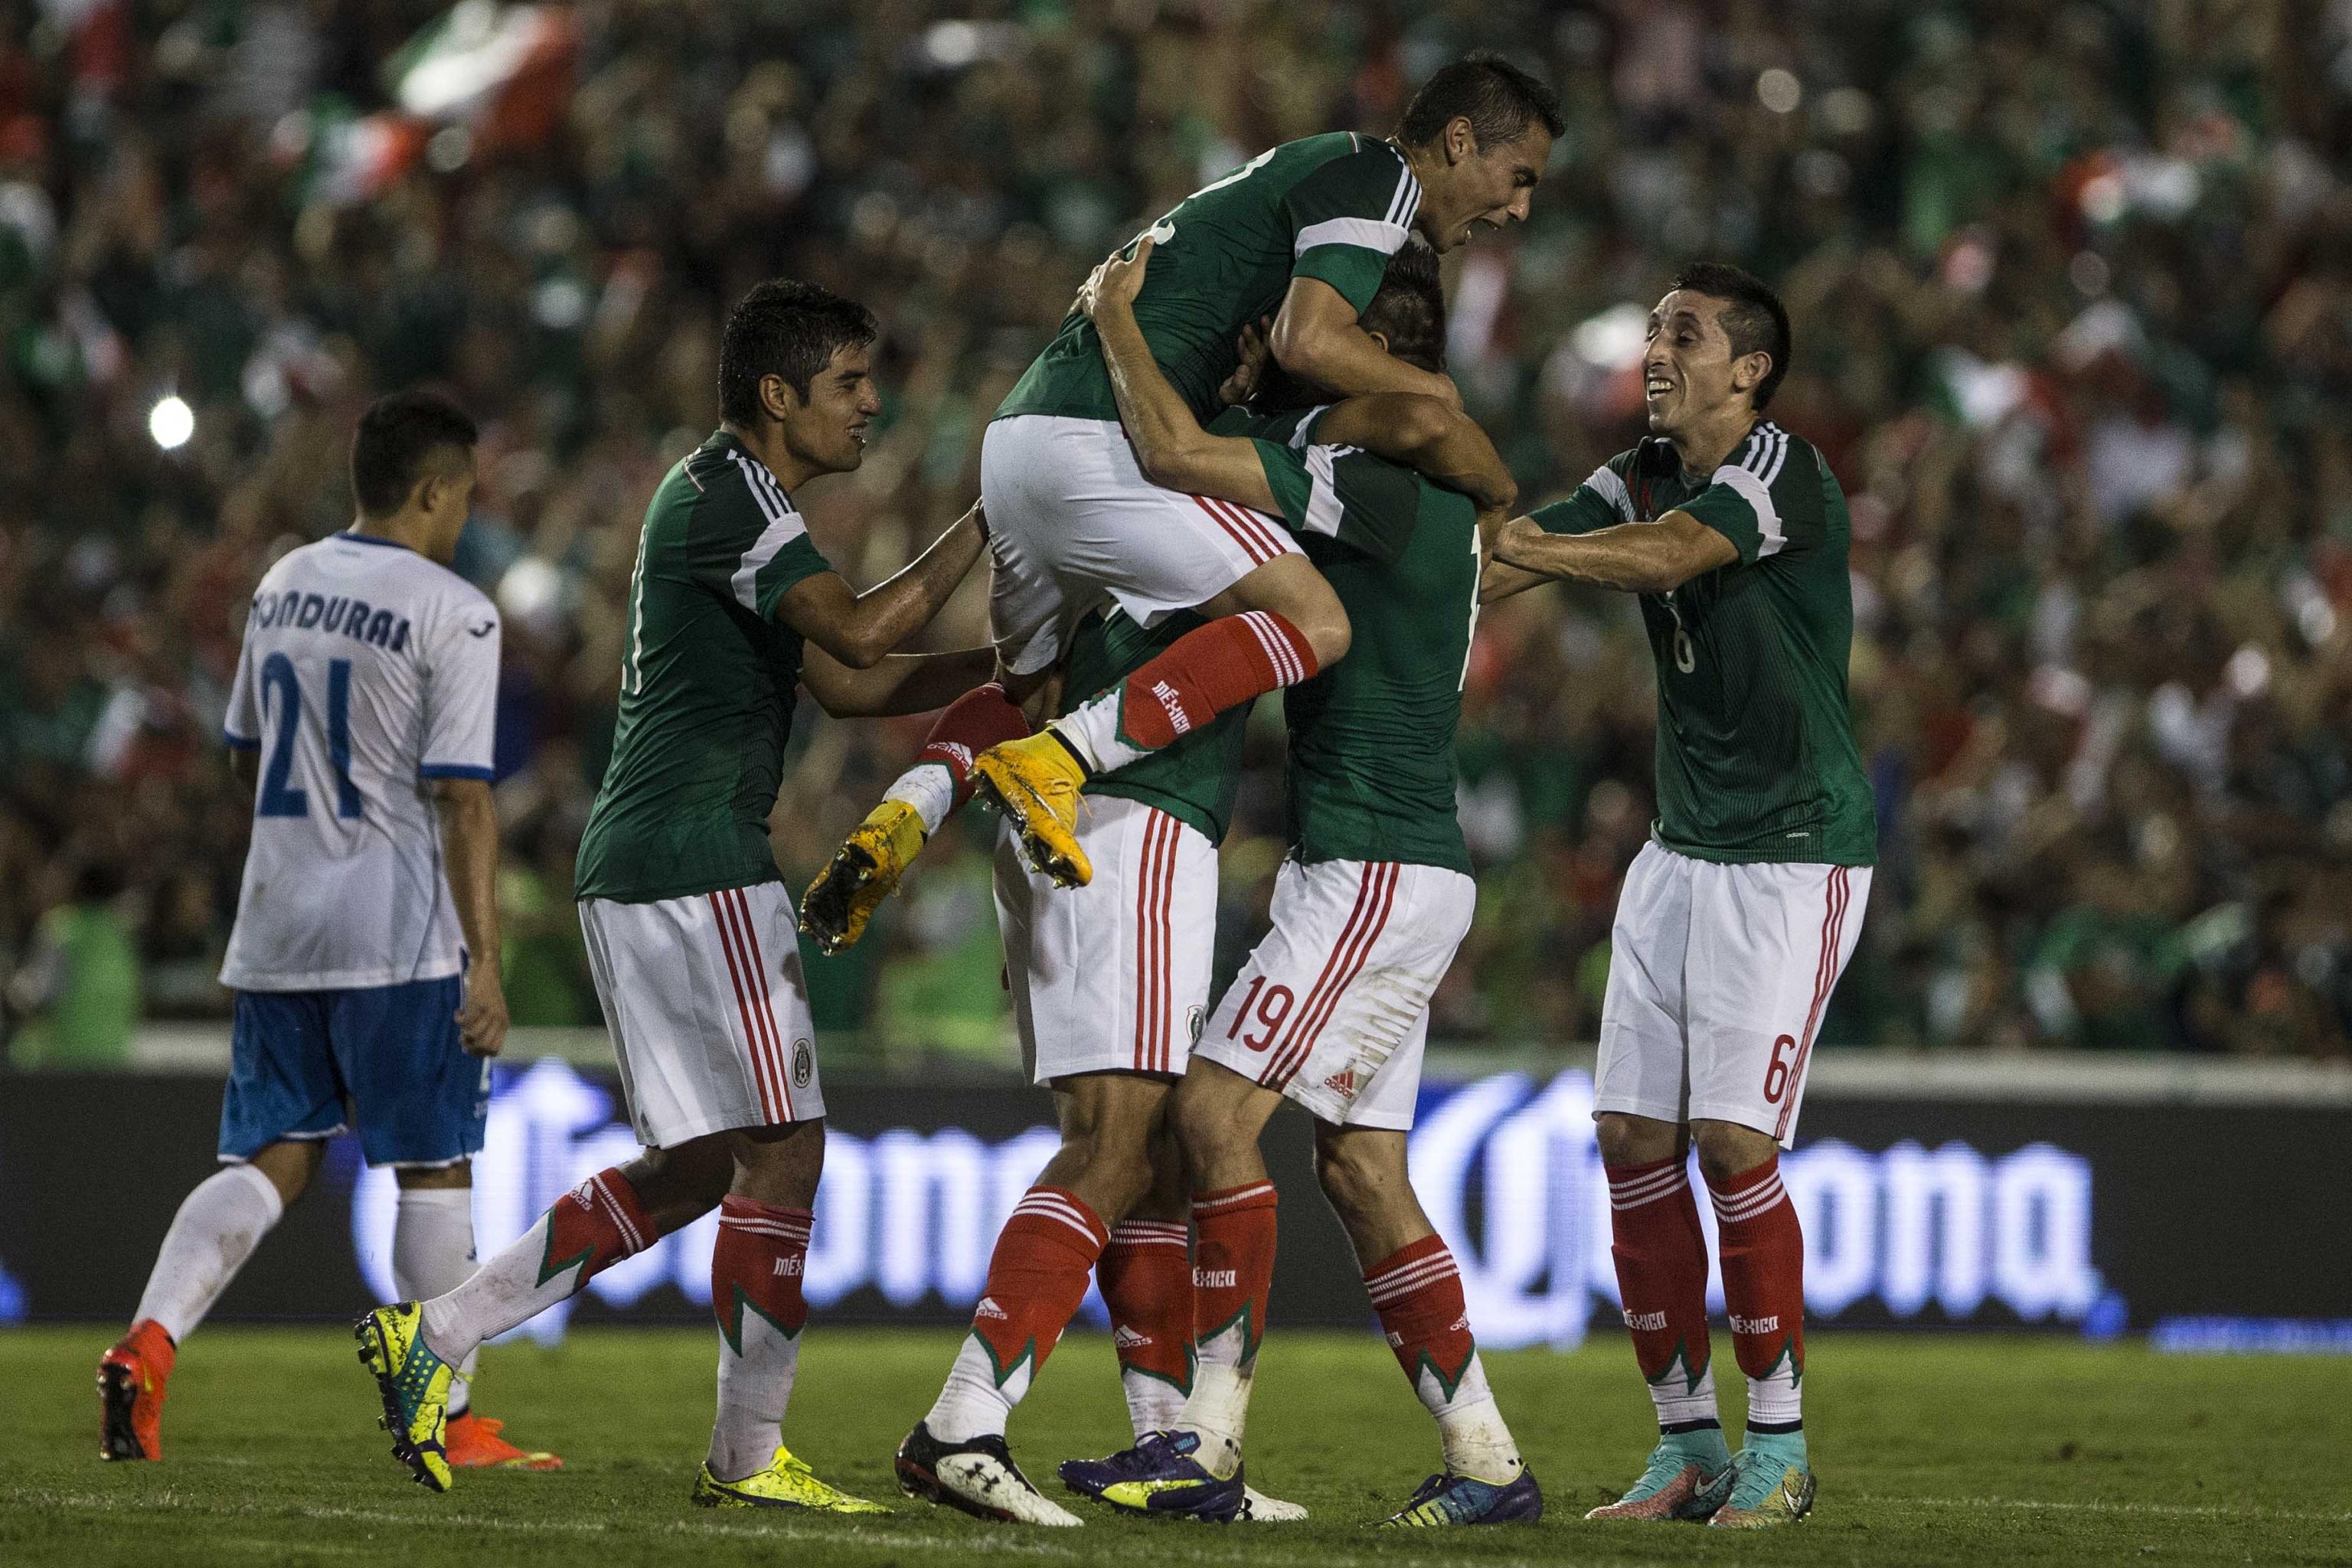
1945, 1449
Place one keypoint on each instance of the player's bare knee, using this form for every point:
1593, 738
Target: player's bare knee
1725, 1149
288, 1164
1627, 1139
454, 1176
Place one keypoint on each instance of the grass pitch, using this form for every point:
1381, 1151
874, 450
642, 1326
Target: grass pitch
1931, 1450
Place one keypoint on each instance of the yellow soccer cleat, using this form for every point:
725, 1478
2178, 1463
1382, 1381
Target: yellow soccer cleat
1035, 781
785, 1483
862, 872
414, 1383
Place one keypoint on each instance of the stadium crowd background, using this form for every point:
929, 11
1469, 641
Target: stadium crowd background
2073, 292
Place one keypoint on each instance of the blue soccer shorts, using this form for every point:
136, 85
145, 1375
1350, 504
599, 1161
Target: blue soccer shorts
389, 1052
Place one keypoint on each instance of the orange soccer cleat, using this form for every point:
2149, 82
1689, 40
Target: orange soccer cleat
473, 1444
130, 1378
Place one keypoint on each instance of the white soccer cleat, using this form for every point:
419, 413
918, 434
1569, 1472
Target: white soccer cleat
1259, 1509
978, 1477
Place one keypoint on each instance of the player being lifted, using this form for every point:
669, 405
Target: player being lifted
1302, 231
1332, 1009
360, 714
1739, 915
1109, 982
689, 931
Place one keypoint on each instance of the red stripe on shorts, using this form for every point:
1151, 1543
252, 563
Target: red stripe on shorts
742, 1001
1370, 918
1824, 977
1253, 548
777, 1065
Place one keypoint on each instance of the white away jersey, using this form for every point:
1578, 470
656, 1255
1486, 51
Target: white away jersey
367, 672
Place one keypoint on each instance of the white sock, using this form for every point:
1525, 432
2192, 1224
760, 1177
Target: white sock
754, 1388
1681, 1401
972, 1403
1775, 1400
1092, 730
216, 1229
432, 1254
1218, 1409
1153, 1404
930, 788
1470, 1426
600, 1228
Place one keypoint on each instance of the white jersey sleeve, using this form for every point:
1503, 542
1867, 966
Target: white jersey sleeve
241, 728
461, 692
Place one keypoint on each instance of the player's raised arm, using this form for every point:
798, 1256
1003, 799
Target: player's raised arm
861, 629
1634, 557
1427, 435
1170, 448
899, 684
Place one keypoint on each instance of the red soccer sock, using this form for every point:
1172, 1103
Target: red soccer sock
1232, 1272
755, 1293
1209, 669
1417, 1291
1145, 1277
1763, 1250
595, 1226
1660, 1255
1036, 1277
980, 718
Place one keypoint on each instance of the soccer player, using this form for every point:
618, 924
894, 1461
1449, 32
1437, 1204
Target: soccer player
366, 953
1109, 984
1303, 231
1739, 915
689, 931
1332, 1009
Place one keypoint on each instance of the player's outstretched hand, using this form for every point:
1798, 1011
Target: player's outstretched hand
482, 1019
1116, 282
1250, 349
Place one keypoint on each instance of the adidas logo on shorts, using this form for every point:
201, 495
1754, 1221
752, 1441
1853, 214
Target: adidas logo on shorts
989, 1309
1343, 1083
1126, 1338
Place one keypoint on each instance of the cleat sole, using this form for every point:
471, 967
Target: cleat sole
1062, 870
118, 1396
378, 1361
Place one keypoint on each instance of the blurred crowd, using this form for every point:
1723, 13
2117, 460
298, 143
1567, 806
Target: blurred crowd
2072, 293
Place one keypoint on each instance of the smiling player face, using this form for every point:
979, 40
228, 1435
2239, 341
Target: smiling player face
827, 430
1689, 374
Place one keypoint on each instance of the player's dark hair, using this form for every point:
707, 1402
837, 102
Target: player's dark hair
1409, 309
1500, 100
788, 329
1753, 317
397, 440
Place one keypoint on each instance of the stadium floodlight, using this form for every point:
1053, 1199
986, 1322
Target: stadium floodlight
171, 422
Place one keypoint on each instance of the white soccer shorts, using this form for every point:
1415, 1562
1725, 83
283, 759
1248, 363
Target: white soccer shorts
1072, 521
709, 1012
1717, 979
1113, 977
1333, 1006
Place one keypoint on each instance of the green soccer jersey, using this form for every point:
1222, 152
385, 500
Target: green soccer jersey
1372, 738
1332, 208
1756, 752
1193, 780
709, 679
